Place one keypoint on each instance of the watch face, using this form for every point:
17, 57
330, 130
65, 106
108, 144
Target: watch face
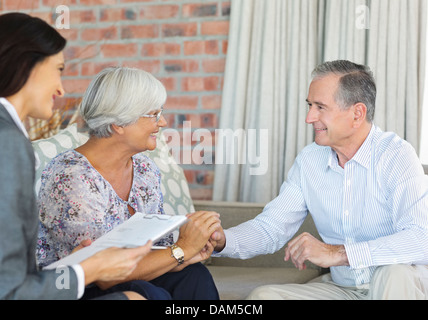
178, 253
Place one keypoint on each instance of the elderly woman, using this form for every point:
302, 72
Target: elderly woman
88, 191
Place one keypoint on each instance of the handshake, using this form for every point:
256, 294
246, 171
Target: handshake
201, 235
198, 238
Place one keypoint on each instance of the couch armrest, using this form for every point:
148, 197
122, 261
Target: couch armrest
234, 213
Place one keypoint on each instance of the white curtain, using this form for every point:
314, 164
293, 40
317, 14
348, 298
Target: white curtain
273, 47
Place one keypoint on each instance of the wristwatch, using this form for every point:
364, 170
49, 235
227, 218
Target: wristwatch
177, 253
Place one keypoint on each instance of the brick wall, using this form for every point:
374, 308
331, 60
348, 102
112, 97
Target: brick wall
182, 42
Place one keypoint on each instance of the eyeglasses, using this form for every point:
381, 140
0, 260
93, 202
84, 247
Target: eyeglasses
157, 115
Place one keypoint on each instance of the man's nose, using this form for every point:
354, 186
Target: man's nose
312, 115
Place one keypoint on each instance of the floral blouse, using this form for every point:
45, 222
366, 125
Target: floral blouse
77, 203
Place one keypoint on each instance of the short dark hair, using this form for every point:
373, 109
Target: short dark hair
24, 42
357, 84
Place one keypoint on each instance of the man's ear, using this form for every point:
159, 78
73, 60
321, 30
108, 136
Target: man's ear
360, 113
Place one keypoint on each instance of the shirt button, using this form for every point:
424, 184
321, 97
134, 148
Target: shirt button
346, 213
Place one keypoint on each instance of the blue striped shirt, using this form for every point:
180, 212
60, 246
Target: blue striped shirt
376, 206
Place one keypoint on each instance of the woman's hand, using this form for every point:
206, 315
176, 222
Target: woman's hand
195, 235
84, 243
113, 264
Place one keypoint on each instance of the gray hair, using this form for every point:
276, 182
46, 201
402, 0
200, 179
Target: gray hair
357, 84
120, 96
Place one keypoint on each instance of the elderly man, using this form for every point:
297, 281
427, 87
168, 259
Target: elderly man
366, 191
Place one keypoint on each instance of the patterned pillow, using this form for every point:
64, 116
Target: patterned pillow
47, 149
175, 190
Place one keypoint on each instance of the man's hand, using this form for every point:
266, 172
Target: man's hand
218, 239
305, 247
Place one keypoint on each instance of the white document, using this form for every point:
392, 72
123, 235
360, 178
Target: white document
134, 232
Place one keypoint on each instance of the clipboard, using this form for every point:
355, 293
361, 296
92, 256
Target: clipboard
134, 232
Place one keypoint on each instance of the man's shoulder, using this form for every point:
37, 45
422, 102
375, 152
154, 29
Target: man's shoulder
390, 144
394, 156
388, 140
314, 150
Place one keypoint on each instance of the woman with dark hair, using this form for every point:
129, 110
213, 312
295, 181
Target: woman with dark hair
31, 61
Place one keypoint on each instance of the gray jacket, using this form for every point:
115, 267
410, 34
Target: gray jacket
19, 277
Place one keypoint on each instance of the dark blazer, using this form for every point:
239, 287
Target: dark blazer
19, 277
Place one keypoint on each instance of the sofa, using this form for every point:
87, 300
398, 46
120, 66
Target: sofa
234, 278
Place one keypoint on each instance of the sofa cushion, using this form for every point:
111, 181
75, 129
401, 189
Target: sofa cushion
47, 149
236, 283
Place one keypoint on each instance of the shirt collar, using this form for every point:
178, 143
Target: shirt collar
362, 156
15, 117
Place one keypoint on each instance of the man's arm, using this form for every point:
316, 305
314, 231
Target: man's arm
271, 229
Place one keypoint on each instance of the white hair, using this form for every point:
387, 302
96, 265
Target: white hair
120, 96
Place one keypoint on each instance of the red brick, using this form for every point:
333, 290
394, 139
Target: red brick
215, 28
75, 52
204, 177
136, 1
199, 10
159, 12
182, 102
225, 45
187, 66
81, 16
160, 49
71, 69
179, 30
197, 120
45, 16
192, 84
75, 85
214, 65
92, 68
169, 83
190, 176
152, 66
69, 34
208, 120
97, 2
55, 3
200, 83
225, 9
211, 102
140, 31
211, 83
201, 47
116, 14
119, 50
20, 5
99, 34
